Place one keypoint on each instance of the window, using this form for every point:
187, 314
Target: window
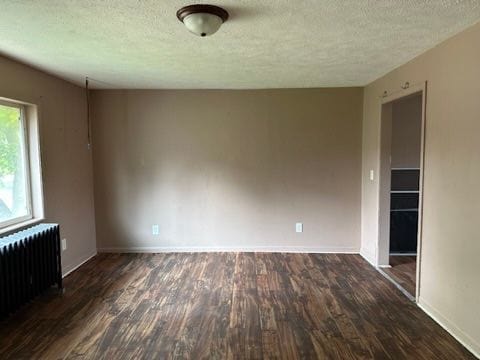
17, 204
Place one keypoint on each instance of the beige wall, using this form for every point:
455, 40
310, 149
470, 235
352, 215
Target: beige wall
449, 286
66, 162
228, 169
406, 132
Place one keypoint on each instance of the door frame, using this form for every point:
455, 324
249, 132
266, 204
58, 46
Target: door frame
383, 234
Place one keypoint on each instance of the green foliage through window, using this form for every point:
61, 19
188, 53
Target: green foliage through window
9, 139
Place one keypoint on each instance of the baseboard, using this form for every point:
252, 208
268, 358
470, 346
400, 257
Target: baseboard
280, 249
69, 269
369, 256
452, 329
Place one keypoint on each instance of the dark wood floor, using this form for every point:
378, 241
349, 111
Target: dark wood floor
226, 305
404, 271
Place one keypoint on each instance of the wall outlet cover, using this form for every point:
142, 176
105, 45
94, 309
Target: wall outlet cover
155, 229
299, 227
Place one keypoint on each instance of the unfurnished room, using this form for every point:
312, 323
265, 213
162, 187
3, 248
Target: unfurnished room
239, 179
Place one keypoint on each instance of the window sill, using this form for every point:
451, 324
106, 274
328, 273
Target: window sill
8, 230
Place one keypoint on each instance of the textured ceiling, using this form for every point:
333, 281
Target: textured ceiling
265, 44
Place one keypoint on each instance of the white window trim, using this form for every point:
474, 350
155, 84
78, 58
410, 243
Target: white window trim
32, 163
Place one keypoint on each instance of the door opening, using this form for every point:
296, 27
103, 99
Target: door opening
401, 189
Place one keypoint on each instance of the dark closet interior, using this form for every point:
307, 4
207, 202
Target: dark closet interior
404, 211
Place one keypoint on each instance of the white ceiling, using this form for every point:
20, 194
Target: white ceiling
264, 44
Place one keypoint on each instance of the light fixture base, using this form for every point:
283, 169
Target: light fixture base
202, 8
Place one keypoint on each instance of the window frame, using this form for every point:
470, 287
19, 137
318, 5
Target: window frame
27, 167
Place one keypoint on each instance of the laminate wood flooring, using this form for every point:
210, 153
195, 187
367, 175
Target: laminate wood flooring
225, 306
403, 271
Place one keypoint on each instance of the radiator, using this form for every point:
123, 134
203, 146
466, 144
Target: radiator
30, 263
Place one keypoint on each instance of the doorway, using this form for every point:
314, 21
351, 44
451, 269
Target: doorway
401, 188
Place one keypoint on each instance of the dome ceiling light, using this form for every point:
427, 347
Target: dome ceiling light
202, 20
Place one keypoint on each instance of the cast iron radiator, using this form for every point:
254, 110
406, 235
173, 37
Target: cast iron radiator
30, 263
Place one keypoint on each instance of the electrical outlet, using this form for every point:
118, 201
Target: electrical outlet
64, 244
155, 229
372, 175
299, 227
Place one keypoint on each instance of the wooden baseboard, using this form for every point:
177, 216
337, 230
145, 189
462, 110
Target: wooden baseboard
369, 256
451, 328
69, 269
280, 249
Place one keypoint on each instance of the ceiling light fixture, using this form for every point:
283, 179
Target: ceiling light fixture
202, 20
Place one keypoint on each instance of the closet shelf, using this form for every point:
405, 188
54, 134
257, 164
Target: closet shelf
406, 169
